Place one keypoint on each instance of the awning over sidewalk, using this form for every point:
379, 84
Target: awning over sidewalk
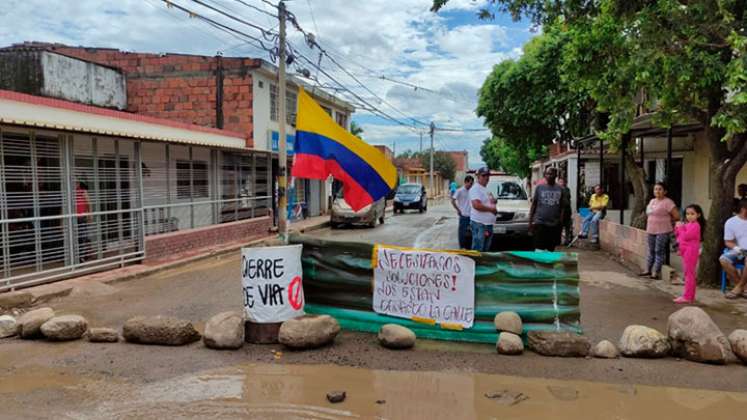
36, 111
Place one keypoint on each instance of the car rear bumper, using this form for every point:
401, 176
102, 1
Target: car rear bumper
353, 218
511, 229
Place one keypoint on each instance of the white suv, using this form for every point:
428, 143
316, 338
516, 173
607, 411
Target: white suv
512, 204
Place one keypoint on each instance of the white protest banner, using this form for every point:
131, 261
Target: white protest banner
424, 285
271, 282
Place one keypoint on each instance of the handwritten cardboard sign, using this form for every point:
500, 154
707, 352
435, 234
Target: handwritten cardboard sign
424, 285
271, 283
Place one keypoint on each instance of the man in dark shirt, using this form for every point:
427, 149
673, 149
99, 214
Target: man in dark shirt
547, 212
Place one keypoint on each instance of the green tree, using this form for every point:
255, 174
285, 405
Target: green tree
442, 162
356, 129
527, 105
686, 59
501, 155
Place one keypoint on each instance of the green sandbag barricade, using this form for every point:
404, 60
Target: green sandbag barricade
542, 287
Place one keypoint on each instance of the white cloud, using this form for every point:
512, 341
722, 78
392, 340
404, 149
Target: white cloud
401, 40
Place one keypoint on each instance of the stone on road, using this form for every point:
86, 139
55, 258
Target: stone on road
605, 349
29, 324
163, 330
308, 331
65, 328
336, 396
225, 331
642, 341
509, 344
12, 300
559, 344
738, 341
509, 322
8, 326
393, 336
694, 336
103, 335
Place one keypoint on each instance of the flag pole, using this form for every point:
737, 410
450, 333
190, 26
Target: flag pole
282, 146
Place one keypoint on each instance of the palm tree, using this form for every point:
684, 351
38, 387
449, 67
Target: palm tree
356, 129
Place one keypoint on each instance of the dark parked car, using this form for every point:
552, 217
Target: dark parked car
410, 196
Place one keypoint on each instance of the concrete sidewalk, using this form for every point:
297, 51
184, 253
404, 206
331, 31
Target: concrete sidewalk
46, 292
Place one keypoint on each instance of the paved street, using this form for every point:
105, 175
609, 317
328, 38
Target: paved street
80, 379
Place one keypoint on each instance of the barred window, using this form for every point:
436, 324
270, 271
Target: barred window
199, 179
342, 119
291, 99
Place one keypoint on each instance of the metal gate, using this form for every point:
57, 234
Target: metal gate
68, 204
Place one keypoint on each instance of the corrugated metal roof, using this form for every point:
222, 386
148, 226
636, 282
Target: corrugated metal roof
35, 111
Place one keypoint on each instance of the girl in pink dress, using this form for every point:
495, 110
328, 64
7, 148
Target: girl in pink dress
688, 236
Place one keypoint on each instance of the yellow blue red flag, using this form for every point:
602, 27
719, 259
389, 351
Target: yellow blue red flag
323, 148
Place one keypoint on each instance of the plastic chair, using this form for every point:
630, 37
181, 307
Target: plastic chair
739, 266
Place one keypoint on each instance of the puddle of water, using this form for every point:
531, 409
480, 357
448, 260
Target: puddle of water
299, 391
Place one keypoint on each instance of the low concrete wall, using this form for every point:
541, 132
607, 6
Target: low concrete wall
628, 244
161, 246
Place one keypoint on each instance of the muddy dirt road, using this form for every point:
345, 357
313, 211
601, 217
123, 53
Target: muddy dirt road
84, 380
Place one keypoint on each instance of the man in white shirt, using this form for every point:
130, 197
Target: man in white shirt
460, 201
735, 238
482, 215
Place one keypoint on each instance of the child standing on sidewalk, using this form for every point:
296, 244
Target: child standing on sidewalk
688, 235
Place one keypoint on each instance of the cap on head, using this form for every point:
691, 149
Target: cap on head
483, 171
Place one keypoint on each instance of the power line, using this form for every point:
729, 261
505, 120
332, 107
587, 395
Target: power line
261, 10
265, 32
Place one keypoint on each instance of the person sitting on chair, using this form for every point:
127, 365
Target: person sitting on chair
598, 206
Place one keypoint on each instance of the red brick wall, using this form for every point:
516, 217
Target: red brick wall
460, 159
183, 241
181, 87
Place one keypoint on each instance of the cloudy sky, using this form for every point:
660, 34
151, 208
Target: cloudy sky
446, 55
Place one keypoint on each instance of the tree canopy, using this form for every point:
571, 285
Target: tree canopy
527, 105
685, 61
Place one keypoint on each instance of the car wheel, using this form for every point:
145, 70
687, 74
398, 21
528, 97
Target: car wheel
334, 225
381, 219
420, 209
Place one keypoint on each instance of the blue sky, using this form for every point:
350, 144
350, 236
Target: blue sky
447, 54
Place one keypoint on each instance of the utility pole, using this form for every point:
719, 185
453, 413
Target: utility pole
282, 146
394, 148
433, 131
421, 142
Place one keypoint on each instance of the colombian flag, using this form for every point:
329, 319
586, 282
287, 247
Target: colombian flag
323, 148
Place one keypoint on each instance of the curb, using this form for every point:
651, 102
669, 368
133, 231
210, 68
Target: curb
59, 289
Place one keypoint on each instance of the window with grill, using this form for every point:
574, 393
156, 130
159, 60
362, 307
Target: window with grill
199, 171
342, 119
291, 98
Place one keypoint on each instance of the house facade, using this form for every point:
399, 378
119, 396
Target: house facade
111, 157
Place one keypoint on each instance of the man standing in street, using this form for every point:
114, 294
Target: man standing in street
547, 212
482, 214
460, 201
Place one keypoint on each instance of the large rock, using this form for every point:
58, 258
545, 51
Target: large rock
29, 324
694, 336
395, 336
561, 344
308, 331
103, 335
605, 350
738, 340
509, 343
508, 322
163, 330
65, 328
8, 326
642, 341
224, 331
12, 300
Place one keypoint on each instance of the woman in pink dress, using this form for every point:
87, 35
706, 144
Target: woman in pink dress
689, 236
662, 214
